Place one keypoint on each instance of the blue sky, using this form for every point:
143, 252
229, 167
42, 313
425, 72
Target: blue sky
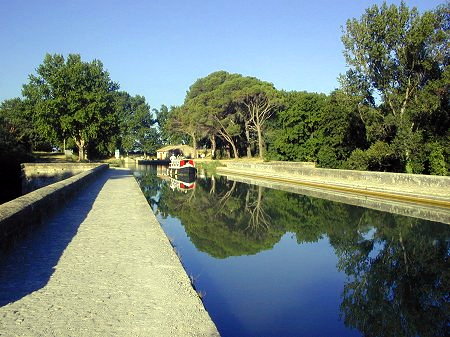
159, 48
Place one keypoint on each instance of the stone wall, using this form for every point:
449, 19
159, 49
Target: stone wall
37, 175
364, 178
426, 212
22, 214
400, 184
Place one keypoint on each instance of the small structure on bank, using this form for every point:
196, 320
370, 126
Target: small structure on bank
165, 152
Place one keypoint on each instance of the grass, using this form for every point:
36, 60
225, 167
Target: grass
208, 165
113, 162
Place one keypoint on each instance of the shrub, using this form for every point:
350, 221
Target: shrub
326, 157
438, 165
358, 160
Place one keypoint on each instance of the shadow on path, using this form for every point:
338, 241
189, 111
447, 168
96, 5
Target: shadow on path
30, 264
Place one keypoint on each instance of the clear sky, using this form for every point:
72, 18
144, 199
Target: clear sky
158, 48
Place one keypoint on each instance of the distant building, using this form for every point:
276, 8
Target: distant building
183, 150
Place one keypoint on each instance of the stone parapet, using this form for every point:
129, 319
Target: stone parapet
406, 186
22, 214
421, 211
37, 175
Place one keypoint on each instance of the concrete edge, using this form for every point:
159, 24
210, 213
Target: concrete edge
424, 212
210, 324
348, 187
405, 181
23, 213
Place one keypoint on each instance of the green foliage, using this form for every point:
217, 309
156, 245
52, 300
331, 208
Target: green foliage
438, 165
166, 135
15, 148
399, 56
379, 157
326, 157
136, 125
72, 98
228, 106
298, 137
358, 160
209, 166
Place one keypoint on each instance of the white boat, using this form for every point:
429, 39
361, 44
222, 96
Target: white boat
182, 166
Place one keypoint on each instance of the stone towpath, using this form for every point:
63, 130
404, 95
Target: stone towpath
102, 266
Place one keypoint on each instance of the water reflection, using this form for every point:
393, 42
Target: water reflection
396, 267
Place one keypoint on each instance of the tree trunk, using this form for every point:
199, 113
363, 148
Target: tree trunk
236, 155
194, 144
213, 185
81, 144
228, 152
213, 147
247, 135
260, 142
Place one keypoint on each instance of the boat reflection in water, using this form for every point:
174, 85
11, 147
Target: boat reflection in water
182, 183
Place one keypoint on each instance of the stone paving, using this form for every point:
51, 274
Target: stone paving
102, 266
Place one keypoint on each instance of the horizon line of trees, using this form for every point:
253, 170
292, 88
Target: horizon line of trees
390, 113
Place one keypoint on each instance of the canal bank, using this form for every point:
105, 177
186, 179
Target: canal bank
102, 266
49, 192
414, 188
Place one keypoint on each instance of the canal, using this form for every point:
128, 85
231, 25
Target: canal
271, 263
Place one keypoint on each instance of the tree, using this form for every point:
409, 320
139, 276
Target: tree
17, 122
186, 120
258, 100
230, 106
162, 116
298, 137
72, 98
340, 129
395, 54
136, 123
207, 109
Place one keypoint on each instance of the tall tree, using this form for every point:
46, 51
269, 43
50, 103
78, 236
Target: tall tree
137, 131
73, 98
298, 136
394, 54
162, 116
340, 129
17, 121
207, 105
186, 120
258, 100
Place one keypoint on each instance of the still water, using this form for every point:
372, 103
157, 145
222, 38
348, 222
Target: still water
273, 263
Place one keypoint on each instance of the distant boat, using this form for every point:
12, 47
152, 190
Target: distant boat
182, 167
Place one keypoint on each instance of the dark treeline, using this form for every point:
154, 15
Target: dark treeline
390, 113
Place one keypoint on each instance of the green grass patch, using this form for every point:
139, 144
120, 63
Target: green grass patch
209, 166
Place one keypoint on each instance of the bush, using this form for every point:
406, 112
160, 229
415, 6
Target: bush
326, 157
379, 157
358, 160
438, 165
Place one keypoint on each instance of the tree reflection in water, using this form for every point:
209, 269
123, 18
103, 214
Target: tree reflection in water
397, 267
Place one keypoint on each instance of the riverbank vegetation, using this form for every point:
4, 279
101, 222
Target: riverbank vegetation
390, 112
